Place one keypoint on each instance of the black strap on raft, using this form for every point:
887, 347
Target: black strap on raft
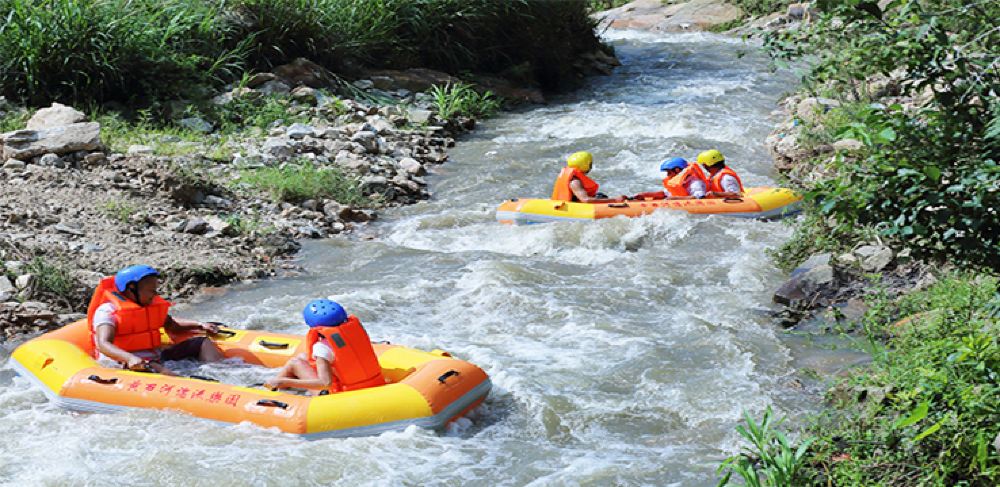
446, 375
271, 403
273, 345
96, 378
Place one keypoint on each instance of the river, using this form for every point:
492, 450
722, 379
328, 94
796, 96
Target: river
622, 352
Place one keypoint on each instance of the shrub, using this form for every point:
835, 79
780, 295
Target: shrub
55, 280
929, 174
936, 417
300, 182
771, 460
460, 99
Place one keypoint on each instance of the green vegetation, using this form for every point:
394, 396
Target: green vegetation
119, 210
54, 279
13, 120
460, 99
249, 225
303, 181
763, 7
601, 5
927, 177
145, 50
118, 133
771, 460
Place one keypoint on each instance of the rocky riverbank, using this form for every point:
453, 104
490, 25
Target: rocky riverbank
216, 209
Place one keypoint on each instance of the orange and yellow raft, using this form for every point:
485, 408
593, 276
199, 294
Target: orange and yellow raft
427, 389
760, 202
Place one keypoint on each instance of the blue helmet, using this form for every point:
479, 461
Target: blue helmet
323, 312
673, 163
131, 274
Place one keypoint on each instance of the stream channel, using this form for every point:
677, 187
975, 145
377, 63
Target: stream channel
622, 351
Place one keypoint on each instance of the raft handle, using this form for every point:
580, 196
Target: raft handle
733, 200
96, 378
446, 375
617, 205
273, 345
220, 331
271, 403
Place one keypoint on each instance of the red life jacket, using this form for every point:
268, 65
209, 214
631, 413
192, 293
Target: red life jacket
137, 327
562, 192
677, 185
715, 183
355, 365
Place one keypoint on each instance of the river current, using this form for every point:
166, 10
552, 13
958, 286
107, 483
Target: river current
622, 351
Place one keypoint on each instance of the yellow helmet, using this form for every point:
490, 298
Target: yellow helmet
711, 157
581, 160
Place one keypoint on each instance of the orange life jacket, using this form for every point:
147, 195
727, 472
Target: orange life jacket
562, 192
715, 183
355, 365
677, 185
137, 327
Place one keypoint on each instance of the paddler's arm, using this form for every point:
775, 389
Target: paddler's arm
106, 344
581, 194
176, 325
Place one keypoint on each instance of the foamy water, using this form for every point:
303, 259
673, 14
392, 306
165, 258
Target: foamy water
621, 351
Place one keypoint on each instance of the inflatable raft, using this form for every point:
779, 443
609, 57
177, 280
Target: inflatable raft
762, 203
427, 389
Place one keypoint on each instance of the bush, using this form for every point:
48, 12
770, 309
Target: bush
771, 460
928, 176
112, 49
460, 99
300, 182
55, 281
939, 416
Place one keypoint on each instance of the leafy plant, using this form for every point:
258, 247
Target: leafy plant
55, 280
771, 460
460, 99
119, 210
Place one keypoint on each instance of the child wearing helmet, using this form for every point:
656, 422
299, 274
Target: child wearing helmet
683, 181
723, 182
573, 183
126, 316
339, 355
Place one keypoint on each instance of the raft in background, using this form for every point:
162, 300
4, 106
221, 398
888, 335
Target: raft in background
761, 202
423, 389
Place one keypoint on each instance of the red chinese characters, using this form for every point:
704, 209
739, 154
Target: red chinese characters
232, 400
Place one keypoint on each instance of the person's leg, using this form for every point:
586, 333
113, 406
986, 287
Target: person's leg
210, 352
199, 348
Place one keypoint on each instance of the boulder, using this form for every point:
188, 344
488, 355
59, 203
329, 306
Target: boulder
277, 147
411, 166
302, 71
811, 109
415, 79
305, 94
299, 131
219, 226
14, 165
374, 184
874, 258
51, 160
6, 286
26, 144
276, 87
196, 226
56, 115
808, 279
196, 124
95, 159
24, 281
258, 79
368, 140
654, 15
418, 116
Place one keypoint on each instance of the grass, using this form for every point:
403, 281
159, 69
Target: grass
166, 139
146, 50
54, 279
460, 99
770, 460
119, 210
14, 120
249, 225
303, 181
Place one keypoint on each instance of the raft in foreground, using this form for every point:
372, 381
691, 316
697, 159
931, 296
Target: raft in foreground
763, 203
423, 389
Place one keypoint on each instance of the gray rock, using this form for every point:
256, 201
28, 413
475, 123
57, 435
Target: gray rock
277, 147
812, 262
95, 159
26, 144
70, 317
6, 296
220, 226
374, 184
812, 109
177, 225
69, 228
217, 201
874, 258
274, 87
381, 125
802, 287
51, 160
91, 248
419, 116
368, 140
135, 150
196, 124
364, 84
6, 286
411, 166
24, 281
56, 115
305, 94
299, 131
848, 145
197, 226
14, 165
260, 78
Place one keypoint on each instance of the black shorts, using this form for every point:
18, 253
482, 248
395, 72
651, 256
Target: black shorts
189, 348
